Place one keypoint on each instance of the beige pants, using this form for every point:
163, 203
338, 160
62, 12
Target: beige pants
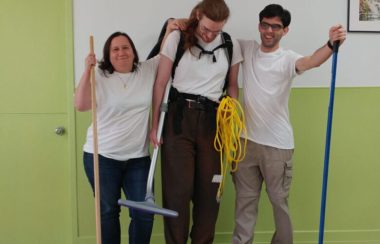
274, 167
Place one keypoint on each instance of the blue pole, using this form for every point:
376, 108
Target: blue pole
327, 145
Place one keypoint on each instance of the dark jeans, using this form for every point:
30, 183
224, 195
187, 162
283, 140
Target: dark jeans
130, 176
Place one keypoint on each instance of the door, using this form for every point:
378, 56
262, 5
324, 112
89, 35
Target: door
35, 80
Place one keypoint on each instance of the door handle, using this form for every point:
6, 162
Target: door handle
60, 130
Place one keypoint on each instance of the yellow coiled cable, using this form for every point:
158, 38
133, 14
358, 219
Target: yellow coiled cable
230, 125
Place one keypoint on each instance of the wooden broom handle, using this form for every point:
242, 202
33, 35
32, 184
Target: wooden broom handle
95, 154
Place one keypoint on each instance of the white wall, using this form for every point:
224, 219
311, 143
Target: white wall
142, 20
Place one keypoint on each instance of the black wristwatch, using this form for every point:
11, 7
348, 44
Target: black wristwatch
330, 45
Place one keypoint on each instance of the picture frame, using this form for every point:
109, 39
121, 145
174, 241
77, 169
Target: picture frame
363, 16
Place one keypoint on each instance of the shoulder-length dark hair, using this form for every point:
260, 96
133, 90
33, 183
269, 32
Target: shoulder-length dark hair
215, 10
105, 63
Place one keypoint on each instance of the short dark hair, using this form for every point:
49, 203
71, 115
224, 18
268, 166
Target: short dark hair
276, 10
105, 63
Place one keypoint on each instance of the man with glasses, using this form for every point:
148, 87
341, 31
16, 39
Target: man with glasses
268, 71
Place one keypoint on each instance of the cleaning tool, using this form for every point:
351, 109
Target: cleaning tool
327, 146
230, 126
149, 205
95, 145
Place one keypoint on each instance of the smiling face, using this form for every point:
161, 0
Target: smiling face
121, 54
271, 31
208, 30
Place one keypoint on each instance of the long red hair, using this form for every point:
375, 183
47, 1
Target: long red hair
215, 10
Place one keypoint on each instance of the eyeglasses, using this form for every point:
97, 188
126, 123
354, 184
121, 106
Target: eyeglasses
206, 30
274, 27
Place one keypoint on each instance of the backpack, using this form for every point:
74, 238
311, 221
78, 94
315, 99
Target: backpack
227, 44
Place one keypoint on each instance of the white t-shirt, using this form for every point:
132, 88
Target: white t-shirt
123, 106
201, 76
267, 81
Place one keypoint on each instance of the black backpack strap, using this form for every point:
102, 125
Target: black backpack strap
227, 41
229, 46
212, 52
180, 52
156, 49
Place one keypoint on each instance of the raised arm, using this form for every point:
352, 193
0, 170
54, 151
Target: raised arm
174, 24
83, 91
170, 25
336, 33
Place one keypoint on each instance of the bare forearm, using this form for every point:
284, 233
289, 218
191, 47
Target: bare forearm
233, 88
83, 93
158, 92
162, 78
315, 60
336, 33
233, 91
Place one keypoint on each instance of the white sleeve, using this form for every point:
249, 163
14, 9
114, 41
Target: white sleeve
237, 56
152, 63
293, 57
246, 47
169, 48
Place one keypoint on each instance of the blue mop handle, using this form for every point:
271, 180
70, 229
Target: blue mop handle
327, 145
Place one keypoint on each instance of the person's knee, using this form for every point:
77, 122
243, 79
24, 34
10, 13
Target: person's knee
141, 216
278, 198
109, 211
252, 194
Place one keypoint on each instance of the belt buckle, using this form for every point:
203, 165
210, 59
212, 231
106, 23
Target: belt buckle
190, 104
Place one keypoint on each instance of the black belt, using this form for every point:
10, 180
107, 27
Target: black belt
190, 101
191, 104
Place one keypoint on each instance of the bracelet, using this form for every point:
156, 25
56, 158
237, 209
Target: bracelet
330, 45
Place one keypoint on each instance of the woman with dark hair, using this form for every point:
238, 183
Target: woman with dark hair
124, 92
189, 159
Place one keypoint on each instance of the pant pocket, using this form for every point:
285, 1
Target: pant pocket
288, 175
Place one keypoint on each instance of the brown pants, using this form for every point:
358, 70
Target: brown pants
189, 162
274, 167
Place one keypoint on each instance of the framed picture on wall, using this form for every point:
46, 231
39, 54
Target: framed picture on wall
363, 16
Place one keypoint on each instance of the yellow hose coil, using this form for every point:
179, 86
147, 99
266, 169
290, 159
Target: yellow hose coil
230, 125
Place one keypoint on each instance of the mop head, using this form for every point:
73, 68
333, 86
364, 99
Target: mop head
149, 207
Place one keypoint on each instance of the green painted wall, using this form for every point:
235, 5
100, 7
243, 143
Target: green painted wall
35, 84
352, 214
48, 200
